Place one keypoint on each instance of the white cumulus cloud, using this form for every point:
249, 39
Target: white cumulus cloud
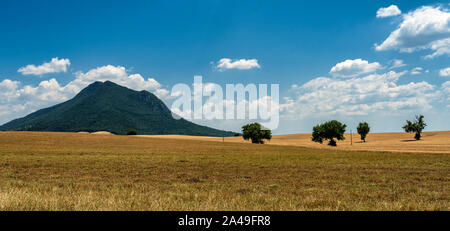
424, 28
115, 74
241, 64
416, 71
439, 47
445, 72
446, 92
390, 11
351, 68
54, 66
397, 63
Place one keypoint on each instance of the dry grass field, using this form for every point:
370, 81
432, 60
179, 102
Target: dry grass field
70, 171
432, 142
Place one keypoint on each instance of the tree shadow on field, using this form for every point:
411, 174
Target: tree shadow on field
409, 140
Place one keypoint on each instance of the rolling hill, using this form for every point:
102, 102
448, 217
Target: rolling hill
106, 106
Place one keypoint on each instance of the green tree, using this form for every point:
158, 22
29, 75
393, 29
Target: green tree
329, 131
416, 126
363, 129
256, 133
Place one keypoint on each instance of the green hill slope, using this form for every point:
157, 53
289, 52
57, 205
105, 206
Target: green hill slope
110, 107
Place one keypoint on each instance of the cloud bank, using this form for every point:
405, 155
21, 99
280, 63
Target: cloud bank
375, 93
424, 28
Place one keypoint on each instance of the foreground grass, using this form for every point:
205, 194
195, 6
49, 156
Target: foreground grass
56, 171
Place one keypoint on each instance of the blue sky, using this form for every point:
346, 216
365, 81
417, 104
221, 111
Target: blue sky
294, 43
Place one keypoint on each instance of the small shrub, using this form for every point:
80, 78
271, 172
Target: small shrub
132, 133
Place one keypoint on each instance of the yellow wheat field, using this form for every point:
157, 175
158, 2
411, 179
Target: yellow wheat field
70, 171
431, 142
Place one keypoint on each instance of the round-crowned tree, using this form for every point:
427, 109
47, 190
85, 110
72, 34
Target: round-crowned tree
256, 133
416, 126
330, 130
363, 129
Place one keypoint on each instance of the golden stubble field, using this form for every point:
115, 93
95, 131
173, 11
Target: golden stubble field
431, 142
70, 171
